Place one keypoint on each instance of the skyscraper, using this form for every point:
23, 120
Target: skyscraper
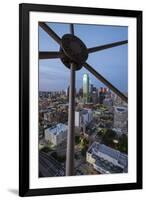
85, 88
102, 94
120, 117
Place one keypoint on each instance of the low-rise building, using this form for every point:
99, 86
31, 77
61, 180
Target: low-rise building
50, 116
56, 134
106, 160
108, 102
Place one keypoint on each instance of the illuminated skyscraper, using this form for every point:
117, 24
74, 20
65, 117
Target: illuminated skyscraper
85, 88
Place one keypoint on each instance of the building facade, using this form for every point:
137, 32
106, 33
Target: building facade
85, 88
106, 160
120, 117
83, 117
94, 97
56, 134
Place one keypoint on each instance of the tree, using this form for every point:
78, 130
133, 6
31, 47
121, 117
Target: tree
123, 144
108, 137
84, 143
77, 139
46, 149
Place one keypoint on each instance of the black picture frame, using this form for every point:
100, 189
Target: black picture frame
24, 173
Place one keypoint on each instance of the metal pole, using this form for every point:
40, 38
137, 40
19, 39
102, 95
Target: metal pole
71, 118
72, 29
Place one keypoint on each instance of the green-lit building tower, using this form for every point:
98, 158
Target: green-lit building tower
86, 88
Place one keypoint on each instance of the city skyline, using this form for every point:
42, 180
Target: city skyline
77, 90
100, 134
54, 76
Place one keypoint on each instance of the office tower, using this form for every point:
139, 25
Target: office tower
81, 92
83, 117
94, 97
85, 88
120, 117
102, 94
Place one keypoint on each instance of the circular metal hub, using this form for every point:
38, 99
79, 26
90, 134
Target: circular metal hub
74, 50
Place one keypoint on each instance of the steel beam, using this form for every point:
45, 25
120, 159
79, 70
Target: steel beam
71, 119
106, 46
49, 55
50, 32
105, 82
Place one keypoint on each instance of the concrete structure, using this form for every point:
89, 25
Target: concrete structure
120, 117
94, 97
50, 115
67, 92
106, 160
108, 102
56, 134
83, 117
85, 88
90, 87
117, 100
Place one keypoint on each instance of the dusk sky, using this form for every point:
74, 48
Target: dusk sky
111, 63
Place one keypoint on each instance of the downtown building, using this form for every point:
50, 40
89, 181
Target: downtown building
56, 134
102, 94
108, 101
85, 88
106, 160
50, 115
83, 117
117, 101
94, 95
120, 119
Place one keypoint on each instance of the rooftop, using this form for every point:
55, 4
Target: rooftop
121, 109
58, 128
97, 148
107, 166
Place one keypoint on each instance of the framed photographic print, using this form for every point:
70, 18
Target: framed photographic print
80, 99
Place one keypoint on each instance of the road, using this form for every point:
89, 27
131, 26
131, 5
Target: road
49, 167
